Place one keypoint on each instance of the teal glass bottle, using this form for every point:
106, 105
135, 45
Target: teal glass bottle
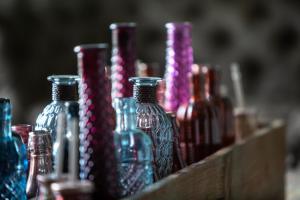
13, 161
134, 149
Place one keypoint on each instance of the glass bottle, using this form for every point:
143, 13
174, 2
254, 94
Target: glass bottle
13, 162
77, 190
196, 121
134, 149
153, 120
97, 120
40, 149
23, 130
179, 59
64, 88
178, 162
221, 104
123, 58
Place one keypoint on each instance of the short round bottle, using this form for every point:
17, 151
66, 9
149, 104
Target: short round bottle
64, 89
153, 120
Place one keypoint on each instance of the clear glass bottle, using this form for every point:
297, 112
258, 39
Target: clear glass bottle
221, 104
134, 149
123, 58
179, 60
153, 120
97, 120
40, 149
64, 89
13, 162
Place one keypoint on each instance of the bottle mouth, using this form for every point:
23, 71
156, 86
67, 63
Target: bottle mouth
175, 25
124, 105
91, 46
145, 81
64, 79
122, 25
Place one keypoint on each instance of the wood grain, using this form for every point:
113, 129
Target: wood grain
251, 169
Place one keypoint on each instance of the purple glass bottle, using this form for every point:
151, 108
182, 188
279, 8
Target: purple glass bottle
179, 59
97, 162
123, 58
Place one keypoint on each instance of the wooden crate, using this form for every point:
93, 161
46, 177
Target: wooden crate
252, 169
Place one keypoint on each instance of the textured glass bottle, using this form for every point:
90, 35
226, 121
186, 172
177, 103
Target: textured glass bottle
64, 88
178, 162
134, 149
153, 120
40, 149
222, 105
97, 162
13, 162
197, 122
179, 60
123, 58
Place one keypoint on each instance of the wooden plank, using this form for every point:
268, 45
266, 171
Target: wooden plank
252, 169
257, 166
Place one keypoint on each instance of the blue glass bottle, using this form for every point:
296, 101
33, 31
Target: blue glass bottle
134, 149
13, 161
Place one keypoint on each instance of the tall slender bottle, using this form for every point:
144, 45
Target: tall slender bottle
123, 58
13, 162
179, 60
134, 149
221, 104
64, 89
194, 119
97, 162
40, 150
153, 120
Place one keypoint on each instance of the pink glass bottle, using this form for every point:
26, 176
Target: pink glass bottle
221, 104
23, 131
98, 162
123, 58
179, 59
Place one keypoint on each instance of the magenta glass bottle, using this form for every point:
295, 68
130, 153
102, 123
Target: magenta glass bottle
97, 162
123, 58
179, 59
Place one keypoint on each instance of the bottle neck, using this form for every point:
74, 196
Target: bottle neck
64, 92
39, 164
126, 122
195, 87
145, 93
212, 85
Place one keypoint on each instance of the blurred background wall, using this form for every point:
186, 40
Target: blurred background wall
37, 39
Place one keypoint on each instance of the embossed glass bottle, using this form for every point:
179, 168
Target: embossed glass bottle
98, 162
221, 103
123, 58
13, 162
40, 149
64, 88
179, 60
134, 149
153, 120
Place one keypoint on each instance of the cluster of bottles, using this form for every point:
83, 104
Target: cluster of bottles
122, 132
